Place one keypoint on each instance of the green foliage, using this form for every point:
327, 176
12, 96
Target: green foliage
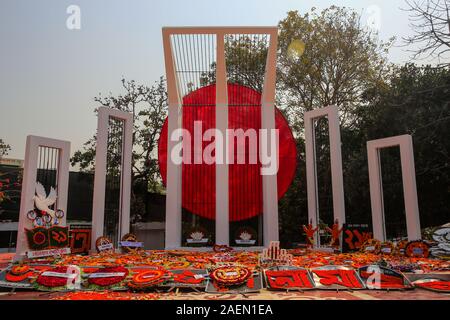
149, 108
417, 102
340, 60
4, 148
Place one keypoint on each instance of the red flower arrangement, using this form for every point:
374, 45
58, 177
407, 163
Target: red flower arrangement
231, 275
386, 281
187, 277
108, 281
438, 285
345, 278
147, 278
51, 281
18, 273
417, 249
284, 279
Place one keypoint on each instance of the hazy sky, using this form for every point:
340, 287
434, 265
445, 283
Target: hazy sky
50, 74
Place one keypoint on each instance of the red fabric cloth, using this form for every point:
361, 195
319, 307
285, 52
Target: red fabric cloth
245, 181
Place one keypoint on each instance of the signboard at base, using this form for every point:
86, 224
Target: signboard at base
47, 253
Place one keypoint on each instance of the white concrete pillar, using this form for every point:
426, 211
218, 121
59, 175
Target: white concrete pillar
331, 112
222, 205
173, 180
409, 185
98, 203
269, 182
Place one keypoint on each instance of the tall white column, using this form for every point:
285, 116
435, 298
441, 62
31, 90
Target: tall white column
269, 182
173, 181
331, 112
222, 206
98, 203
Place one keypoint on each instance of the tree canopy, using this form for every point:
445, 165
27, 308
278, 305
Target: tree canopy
4, 148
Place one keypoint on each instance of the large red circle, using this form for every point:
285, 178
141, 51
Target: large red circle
245, 182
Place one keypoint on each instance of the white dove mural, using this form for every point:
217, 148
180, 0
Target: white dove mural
42, 201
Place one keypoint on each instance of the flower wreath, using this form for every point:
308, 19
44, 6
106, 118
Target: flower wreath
108, 281
147, 278
18, 273
417, 249
129, 237
177, 264
103, 241
197, 259
230, 275
400, 247
372, 246
387, 248
53, 282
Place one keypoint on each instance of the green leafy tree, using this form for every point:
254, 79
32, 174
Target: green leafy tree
341, 59
4, 148
324, 58
149, 108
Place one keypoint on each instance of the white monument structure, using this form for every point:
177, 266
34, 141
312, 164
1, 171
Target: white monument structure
44, 154
409, 185
98, 204
331, 112
174, 176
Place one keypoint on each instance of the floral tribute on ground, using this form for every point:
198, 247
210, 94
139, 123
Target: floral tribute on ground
224, 270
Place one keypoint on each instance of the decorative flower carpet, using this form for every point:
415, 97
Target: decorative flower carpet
186, 275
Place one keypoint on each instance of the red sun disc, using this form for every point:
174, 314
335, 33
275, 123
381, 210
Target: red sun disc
245, 180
